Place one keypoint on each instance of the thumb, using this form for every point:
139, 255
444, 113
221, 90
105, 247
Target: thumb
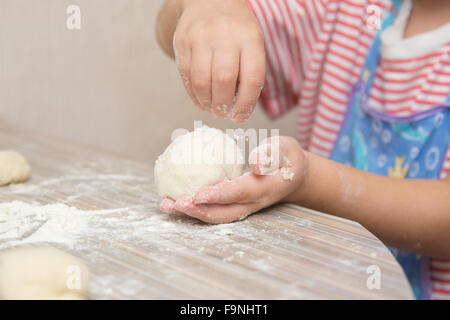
266, 158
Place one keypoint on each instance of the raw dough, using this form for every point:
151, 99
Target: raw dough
204, 157
42, 273
13, 168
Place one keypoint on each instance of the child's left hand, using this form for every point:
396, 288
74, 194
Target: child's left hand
235, 200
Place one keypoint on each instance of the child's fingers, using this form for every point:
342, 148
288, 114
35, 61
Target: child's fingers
230, 201
259, 160
185, 73
251, 78
265, 159
201, 75
244, 189
225, 72
222, 193
216, 213
183, 62
168, 206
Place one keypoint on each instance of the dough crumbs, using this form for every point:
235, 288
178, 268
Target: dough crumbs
287, 174
224, 232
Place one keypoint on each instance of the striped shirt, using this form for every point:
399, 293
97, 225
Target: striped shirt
315, 52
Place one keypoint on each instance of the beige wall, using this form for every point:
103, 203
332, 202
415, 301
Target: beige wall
107, 85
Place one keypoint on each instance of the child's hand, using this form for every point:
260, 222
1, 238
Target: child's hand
264, 186
219, 50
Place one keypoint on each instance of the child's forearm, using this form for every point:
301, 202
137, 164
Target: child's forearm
408, 214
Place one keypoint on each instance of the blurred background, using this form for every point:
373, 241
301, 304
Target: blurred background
107, 85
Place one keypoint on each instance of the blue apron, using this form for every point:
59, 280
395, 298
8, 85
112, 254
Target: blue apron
399, 147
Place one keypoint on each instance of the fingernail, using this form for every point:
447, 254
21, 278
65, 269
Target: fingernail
183, 204
220, 111
166, 206
265, 159
267, 170
240, 119
200, 106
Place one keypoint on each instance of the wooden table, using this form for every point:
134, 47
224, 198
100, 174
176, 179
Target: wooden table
136, 252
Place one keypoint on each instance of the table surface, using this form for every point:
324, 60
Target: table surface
136, 252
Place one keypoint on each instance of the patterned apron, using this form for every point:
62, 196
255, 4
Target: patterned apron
411, 147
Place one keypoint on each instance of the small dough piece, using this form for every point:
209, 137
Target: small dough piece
14, 168
287, 174
203, 157
42, 274
224, 232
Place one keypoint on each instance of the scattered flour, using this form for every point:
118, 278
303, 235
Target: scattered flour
228, 259
22, 223
84, 231
26, 223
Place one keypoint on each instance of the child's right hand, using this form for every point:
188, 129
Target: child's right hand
219, 50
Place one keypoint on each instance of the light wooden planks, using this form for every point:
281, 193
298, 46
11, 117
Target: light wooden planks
136, 252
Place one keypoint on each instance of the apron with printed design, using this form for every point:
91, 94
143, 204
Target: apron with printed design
399, 147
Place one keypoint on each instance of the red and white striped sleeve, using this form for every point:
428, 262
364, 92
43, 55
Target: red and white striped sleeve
290, 30
446, 165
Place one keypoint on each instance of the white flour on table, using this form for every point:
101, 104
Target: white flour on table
25, 223
130, 223
78, 230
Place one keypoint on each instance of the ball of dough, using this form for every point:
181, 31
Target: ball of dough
13, 168
204, 157
42, 273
